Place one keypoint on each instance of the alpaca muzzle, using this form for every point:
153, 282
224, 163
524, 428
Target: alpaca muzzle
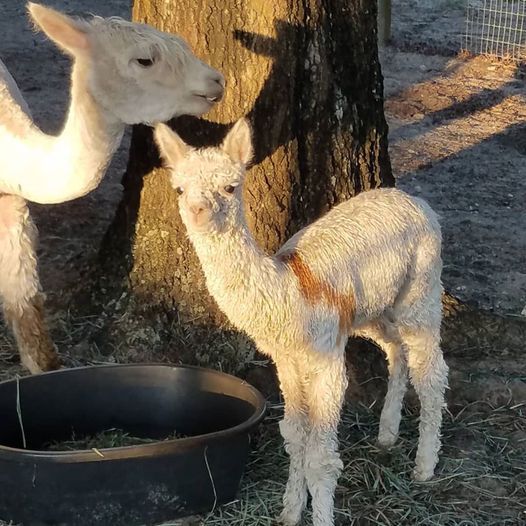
215, 89
200, 215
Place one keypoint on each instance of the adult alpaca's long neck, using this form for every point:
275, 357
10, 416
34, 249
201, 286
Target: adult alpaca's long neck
46, 169
248, 285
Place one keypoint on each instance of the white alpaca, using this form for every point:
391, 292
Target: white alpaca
370, 267
123, 73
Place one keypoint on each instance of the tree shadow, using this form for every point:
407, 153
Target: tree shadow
276, 116
479, 193
279, 117
485, 99
197, 132
267, 116
117, 244
465, 165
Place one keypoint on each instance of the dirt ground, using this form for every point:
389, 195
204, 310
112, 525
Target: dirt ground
458, 139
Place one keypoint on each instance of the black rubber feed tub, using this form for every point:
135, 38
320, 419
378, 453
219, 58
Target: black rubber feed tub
134, 485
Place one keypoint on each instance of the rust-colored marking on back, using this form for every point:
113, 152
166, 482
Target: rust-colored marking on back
315, 291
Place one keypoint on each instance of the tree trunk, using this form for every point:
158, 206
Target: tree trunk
306, 72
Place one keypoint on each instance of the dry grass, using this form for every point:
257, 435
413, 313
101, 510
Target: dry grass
481, 479
104, 440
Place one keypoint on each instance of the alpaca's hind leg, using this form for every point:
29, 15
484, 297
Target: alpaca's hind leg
397, 386
325, 394
396, 389
428, 373
294, 432
20, 286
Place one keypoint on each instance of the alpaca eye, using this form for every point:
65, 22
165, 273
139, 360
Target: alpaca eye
229, 189
145, 62
179, 190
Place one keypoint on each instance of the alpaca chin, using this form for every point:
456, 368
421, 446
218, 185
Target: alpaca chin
198, 225
202, 228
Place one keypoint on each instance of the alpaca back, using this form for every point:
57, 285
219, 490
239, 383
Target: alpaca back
366, 247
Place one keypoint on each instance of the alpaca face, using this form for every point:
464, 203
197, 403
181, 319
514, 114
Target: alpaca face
209, 185
143, 75
208, 181
136, 73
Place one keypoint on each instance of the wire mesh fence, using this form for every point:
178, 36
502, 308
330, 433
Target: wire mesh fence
496, 27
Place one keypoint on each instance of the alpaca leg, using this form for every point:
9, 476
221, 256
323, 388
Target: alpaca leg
294, 433
386, 336
20, 287
397, 386
428, 373
325, 395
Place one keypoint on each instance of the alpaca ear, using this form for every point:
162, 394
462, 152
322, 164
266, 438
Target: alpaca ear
67, 33
238, 142
171, 146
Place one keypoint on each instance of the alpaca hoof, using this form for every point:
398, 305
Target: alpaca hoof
41, 366
387, 439
289, 518
422, 475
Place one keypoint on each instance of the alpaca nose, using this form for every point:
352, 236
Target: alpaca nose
219, 79
216, 86
201, 214
197, 209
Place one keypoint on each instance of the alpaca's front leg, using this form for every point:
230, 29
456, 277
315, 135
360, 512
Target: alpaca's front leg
294, 432
20, 287
325, 395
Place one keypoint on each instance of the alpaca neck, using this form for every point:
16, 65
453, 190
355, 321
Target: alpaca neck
47, 169
248, 285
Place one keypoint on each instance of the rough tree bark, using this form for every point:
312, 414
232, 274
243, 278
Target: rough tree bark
306, 72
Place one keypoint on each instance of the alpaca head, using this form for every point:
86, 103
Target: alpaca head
208, 181
136, 73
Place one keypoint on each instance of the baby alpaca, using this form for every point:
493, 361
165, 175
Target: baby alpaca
370, 267
123, 73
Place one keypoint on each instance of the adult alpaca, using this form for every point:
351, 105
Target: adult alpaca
123, 73
370, 267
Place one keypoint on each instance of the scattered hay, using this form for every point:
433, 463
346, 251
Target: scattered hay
106, 439
481, 477
480, 481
